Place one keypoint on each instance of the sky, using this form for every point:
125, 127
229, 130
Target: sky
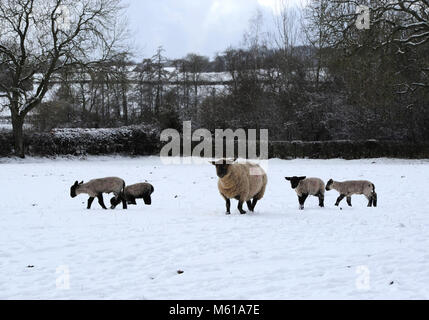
192, 26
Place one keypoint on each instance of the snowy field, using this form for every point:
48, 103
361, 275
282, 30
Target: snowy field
51, 247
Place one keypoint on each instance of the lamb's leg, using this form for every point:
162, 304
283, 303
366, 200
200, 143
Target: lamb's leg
255, 201
374, 199
301, 200
131, 200
240, 207
124, 202
340, 198
349, 201
321, 200
249, 205
90, 200
101, 201
369, 198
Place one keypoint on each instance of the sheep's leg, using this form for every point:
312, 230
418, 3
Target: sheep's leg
321, 200
255, 201
90, 200
349, 201
240, 207
249, 205
101, 201
340, 198
124, 202
131, 200
228, 206
374, 199
301, 200
147, 200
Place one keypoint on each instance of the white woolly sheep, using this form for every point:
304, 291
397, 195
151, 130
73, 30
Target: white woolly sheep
95, 189
245, 182
349, 188
308, 186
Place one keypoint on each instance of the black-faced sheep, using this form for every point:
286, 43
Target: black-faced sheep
308, 186
133, 192
349, 188
95, 189
245, 182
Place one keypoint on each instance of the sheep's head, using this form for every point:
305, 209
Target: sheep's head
114, 202
294, 181
222, 166
329, 185
74, 188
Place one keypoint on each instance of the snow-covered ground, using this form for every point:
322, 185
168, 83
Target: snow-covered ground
52, 247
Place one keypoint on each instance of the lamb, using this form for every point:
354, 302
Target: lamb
133, 192
96, 188
245, 182
308, 186
349, 188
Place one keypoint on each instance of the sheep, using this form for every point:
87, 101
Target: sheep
308, 186
245, 182
133, 192
96, 188
349, 188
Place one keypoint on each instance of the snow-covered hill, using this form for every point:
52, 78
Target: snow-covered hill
52, 247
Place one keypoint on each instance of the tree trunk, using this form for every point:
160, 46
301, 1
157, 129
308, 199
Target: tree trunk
125, 104
18, 135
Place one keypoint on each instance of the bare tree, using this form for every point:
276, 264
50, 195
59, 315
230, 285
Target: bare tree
402, 24
39, 39
196, 65
317, 34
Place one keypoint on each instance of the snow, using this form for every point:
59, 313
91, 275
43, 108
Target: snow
53, 248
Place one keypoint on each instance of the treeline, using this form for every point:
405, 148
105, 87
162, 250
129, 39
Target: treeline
316, 76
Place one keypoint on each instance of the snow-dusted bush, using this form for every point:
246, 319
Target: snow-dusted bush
133, 140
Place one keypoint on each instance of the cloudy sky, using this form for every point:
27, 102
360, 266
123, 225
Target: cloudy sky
199, 26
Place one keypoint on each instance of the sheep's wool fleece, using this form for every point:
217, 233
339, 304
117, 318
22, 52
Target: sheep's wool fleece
312, 186
354, 187
139, 189
246, 180
104, 185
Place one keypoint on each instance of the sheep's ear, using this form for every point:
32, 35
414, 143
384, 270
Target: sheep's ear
288, 178
80, 182
302, 178
76, 183
212, 162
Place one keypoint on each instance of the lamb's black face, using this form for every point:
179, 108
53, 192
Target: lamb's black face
114, 202
329, 185
73, 189
294, 181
